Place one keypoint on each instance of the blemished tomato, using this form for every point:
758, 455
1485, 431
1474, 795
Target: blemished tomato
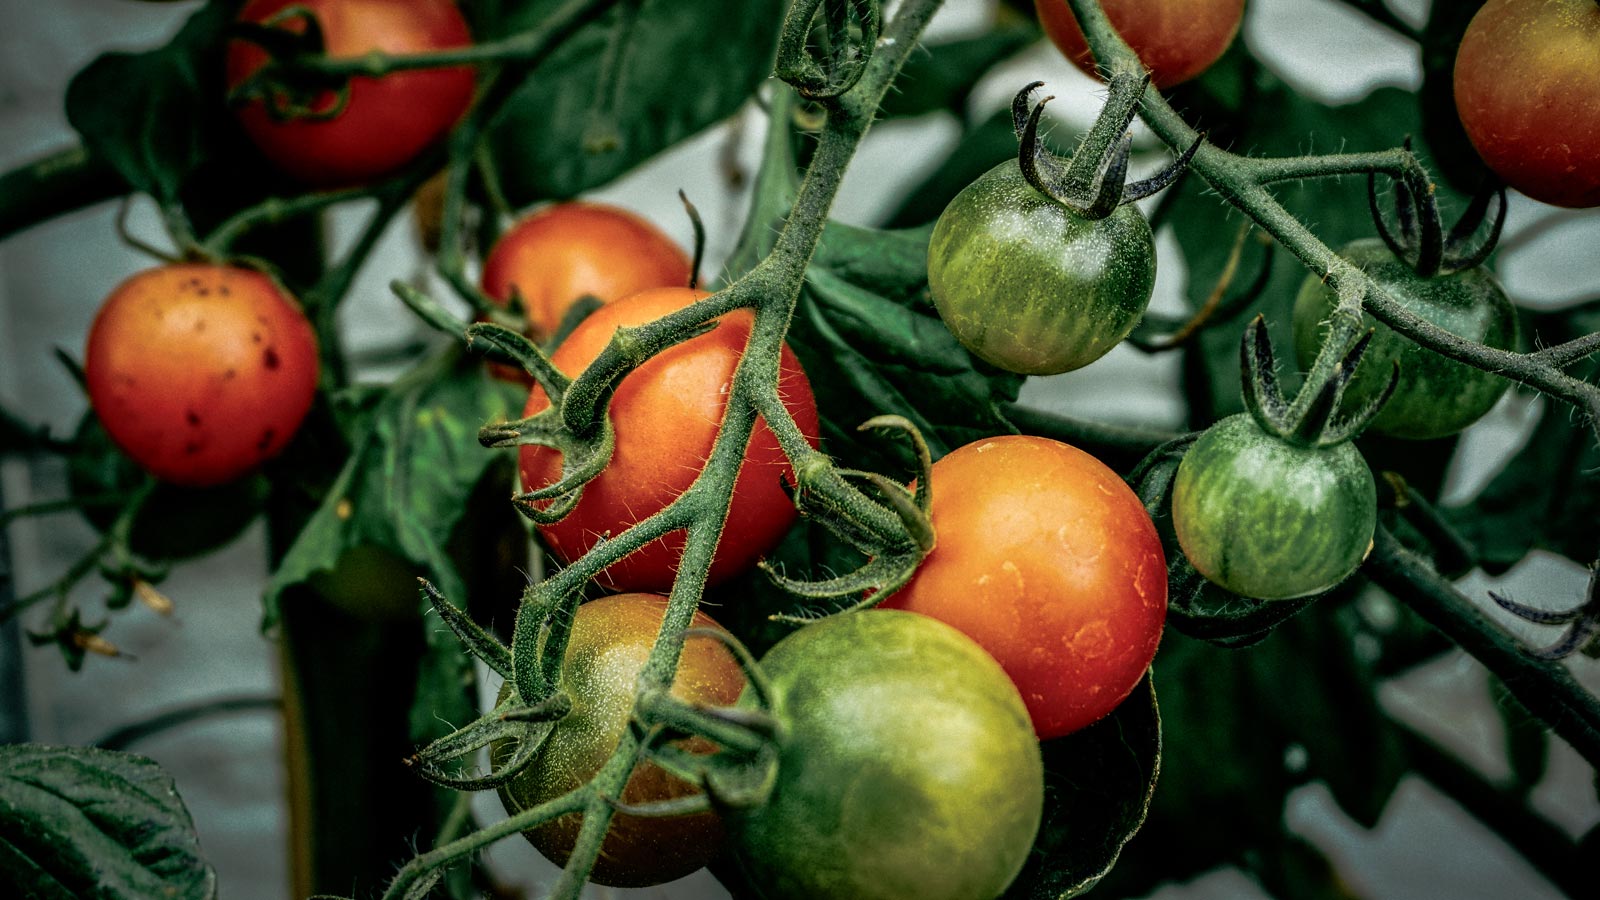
1029, 285
569, 250
1527, 86
665, 415
200, 372
907, 767
1436, 396
611, 638
1175, 39
1267, 519
388, 121
1047, 559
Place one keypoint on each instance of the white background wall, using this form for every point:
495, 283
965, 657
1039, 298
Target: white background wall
53, 278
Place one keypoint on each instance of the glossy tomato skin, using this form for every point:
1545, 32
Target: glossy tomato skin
907, 767
566, 251
1527, 88
1436, 396
1030, 286
1267, 519
611, 638
200, 372
1175, 39
1048, 560
388, 121
665, 415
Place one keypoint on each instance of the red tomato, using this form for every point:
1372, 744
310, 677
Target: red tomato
200, 372
1049, 561
566, 251
1527, 83
666, 414
388, 120
611, 639
1175, 39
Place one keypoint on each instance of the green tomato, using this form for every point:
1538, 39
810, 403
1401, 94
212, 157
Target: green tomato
907, 767
1029, 285
1265, 518
1436, 396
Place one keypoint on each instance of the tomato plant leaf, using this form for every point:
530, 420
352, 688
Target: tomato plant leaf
572, 126
1098, 786
982, 147
85, 822
154, 116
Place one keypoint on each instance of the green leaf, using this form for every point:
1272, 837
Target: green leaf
685, 65
1098, 785
83, 822
940, 77
154, 116
981, 148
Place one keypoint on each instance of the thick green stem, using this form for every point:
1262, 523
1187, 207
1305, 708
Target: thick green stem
55, 185
1546, 688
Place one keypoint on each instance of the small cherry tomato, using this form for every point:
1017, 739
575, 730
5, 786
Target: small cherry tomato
1527, 86
611, 638
569, 250
665, 415
388, 121
1047, 559
1175, 39
200, 372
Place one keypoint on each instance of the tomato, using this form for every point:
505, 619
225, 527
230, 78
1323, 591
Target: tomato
907, 767
200, 372
388, 121
570, 250
1436, 396
1265, 518
1527, 87
1029, 285
665, 415
611, 638
1175, 39
1047, 559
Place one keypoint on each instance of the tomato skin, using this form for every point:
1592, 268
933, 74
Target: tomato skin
1048, 560
200, 372
1527, 88
1436, 396
569, 250
1175, 39
665, 415
907, 767
1264, 518
1030, 286
388, 120
611, 638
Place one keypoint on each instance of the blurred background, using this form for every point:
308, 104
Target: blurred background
228, 767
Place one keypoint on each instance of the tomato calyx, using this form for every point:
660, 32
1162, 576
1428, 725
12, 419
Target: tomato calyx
1312, 419
287, 90
850, 33
1421, 242
1092, 182
889, 524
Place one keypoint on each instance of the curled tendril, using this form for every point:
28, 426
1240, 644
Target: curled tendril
850, 30
1582, 621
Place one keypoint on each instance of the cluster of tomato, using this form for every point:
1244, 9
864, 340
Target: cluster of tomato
1048, 575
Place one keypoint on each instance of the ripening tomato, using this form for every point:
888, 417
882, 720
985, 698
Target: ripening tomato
1175, 39
200, 372
611, 639
1047, 559
665, 415
1527, 85
389, 120
570, 250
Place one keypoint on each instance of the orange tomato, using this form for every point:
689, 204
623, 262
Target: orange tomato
1175, 39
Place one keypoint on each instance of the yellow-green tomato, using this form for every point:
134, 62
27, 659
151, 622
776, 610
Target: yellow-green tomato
611, 638
907, 767
1031, 286
1268, 519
